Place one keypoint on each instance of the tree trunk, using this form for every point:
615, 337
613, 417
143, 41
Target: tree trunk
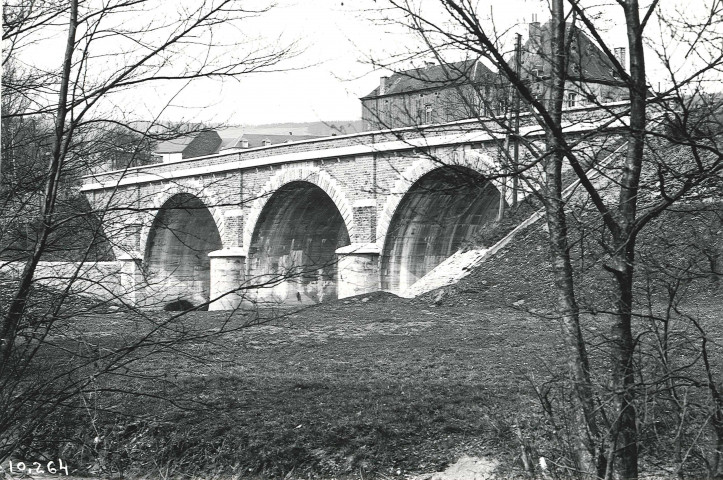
624, 432
623, 257
585, 432
18, 304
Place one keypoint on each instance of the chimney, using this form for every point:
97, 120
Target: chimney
383, 85
620, 56
535, 32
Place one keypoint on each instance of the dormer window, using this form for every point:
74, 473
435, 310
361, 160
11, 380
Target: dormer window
571, 99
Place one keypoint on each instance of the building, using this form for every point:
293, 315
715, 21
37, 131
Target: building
591, 77
191, 145
253, 140
431, 94
468, 89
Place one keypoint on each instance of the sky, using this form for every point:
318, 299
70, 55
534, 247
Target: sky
338, 39
335, 41
333, 69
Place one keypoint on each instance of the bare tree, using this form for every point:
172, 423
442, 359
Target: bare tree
667, 152
59, 120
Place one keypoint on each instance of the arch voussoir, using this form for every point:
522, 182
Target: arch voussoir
479, 163
168, 191
313, 175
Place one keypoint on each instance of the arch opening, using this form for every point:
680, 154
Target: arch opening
441, 212
293, 247
176, 258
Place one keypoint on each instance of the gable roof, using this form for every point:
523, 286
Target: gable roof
196, 144
176, 145
586, 61
434, 76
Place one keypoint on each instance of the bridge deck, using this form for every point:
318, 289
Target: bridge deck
455, 133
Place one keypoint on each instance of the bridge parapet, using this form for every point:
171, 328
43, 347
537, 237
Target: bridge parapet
460, 132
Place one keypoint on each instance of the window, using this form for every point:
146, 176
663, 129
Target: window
571, 99
428, 113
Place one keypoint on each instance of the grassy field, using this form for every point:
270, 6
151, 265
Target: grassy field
373, 386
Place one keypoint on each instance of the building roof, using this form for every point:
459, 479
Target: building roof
434, 76
257, 140
176, 145
196, 144
586, 61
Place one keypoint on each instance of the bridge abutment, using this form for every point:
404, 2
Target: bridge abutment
358, 269
131, 277
228, 275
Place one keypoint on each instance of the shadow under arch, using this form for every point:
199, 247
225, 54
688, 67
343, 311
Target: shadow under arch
293, 246
441, 211
176, 260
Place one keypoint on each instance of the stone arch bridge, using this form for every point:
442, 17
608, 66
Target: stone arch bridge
307, 221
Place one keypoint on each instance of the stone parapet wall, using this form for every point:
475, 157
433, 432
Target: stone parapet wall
367, 139
98, 279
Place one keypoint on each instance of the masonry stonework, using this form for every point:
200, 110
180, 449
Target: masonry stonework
311, 220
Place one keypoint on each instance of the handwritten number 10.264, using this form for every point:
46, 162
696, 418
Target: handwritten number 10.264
37, 467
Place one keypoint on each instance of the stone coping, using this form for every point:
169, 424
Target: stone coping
359, 248
229, 252
440, 136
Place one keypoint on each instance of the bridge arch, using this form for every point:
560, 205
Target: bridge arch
435, 208
297, 229
175, 252
480, 163
194, 188
313, 175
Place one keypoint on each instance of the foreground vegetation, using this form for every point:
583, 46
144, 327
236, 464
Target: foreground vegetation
375, 385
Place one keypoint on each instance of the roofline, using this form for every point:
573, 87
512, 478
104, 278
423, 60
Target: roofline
428, 89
